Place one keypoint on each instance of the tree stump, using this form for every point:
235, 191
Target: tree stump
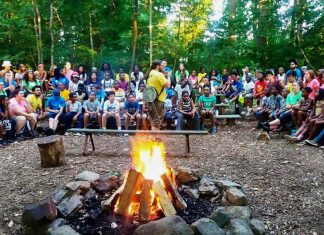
52, 152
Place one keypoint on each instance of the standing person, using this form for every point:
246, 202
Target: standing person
73, 112
6, 65
29, 82
111, 110
55, 108
159, 82
21, 111
21, 72
92, 110
166, 69
207, 108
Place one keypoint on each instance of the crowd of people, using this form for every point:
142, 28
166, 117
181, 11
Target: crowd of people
67, 97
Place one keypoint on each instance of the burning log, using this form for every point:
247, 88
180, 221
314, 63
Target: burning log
163, 198
108, 204
171, 188
145, 201
132, 184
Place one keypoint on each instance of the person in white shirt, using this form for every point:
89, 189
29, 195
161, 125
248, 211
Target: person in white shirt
107, 82
281, 75
111, 110
248, 87
183, 86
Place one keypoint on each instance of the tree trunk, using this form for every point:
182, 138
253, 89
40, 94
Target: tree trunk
232, 16
151, 31
135, 34
91, 37
36, 31
262, 39
39, 24
293, 21
52, 151
52, 34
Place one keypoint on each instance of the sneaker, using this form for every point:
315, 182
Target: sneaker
3, 142
322, 147
126, 134
291, 138
258, 126
214, 131
312, 143
76, 134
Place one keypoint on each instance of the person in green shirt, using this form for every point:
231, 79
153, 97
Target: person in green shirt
207, 107
29, 82
292, 101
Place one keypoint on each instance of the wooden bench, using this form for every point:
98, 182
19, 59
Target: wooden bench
230, 118
90, 132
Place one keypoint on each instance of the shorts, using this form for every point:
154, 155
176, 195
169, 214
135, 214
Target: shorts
208, 115
51, 115
156, 113
285, 117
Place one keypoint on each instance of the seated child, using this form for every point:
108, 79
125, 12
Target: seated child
170, 108
304, 108
75, 81
248, 87
73, 112
107, 82
207, 108
7, 125
187, 111
259, 87
132, 112
119, 94
81, 94
111, 110
91, 110
55, 107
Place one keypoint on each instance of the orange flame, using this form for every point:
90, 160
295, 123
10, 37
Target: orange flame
148, 158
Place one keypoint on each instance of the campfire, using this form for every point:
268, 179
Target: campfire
149, 189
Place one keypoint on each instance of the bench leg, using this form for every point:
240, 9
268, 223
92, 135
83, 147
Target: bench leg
187, 146
92, 143
86, 143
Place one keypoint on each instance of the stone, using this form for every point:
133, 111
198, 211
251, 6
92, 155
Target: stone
170, 225
70, 205
45, 228
63, 230
257, 227
57, 223
225, 184
239, 212
106, 183
237, 227
90, 194
263, 136
194, 193
186, 175
87, 176
220, 216
208, 188
40, 213
236, 197
95, 212
205, 226
83, 186
59, 195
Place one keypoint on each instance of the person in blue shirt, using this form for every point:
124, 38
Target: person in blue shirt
132, 111
55, 107
235, 89
100, 94
9, 84
293, 67
59, 78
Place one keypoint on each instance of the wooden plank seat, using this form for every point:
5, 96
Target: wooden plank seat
89, 132
230, 118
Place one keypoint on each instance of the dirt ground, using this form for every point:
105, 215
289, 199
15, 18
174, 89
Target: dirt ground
284, 182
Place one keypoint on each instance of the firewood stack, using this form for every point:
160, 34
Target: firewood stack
144, 197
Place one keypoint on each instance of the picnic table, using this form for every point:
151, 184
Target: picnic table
89, 134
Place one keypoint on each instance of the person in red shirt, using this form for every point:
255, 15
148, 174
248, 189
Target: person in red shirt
259, 87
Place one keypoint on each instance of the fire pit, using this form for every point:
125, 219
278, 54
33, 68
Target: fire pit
149, 189
150, 198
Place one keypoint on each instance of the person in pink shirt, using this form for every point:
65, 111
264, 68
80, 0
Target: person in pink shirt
311, 82
21, 111
68, 71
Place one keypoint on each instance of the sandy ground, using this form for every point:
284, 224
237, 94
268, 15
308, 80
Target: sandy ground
284, 182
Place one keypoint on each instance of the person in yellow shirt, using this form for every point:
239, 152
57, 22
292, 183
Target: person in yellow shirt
159, 82
64, 93
36, 102
121, 70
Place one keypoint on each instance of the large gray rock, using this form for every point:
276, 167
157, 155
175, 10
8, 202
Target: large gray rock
45, 228
106, 183
257, 227
40, 213
59, 195
186, 175
83, 186
237, 227
170, 225
225, 184
205, 226
208, 188
221, 216
63, 230
236, 197
87, 176
239, 212
70, 205
194, 193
